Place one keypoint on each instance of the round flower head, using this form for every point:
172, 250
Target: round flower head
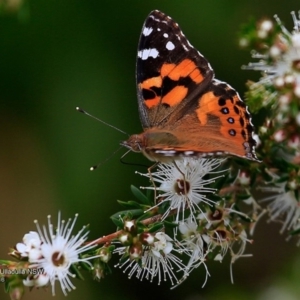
58, 251
155, 260
183, 185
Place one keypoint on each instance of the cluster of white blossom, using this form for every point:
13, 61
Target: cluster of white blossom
52, 252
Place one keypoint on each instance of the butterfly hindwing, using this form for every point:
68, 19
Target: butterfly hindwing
220, 124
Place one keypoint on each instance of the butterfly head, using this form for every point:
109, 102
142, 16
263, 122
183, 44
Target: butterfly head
135, 143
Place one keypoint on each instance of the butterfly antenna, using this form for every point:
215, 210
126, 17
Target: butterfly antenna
105, 160
107, 124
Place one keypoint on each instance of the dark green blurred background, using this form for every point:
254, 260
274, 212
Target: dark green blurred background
56, 55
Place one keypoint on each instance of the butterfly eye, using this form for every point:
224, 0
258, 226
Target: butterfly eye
135, 143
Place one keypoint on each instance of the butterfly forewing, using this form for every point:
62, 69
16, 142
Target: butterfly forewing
169, 70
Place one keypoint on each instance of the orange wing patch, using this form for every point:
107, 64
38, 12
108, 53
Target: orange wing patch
207, 104
152, 102
151, 82
175, 72
175, 96
184, 69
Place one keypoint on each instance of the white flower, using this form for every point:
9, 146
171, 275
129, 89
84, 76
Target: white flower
224, 232
59, 250
280, 63
31, 246
282, 206
39, 280
162, 245
183, 185
216, 232
157, 260
195, 245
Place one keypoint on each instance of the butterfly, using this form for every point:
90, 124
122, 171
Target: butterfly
184, 110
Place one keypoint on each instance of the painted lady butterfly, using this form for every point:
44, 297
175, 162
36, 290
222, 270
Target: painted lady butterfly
183, 109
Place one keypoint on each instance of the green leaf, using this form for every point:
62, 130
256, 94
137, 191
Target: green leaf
130, 213
6, 286
147, 215
243, 197
111, 248
149, 194
129, 204
139, 195
116, 220
170, 225
295, 232
134, 204
124, 258
75, 270
215, 197
156, 227
123, 203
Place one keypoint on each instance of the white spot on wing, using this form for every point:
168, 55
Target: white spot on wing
219, 153
170, 46
147, 31
166, 152
146, 53
189, 153
165, 35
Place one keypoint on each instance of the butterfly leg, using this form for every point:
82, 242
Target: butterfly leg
151, 178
